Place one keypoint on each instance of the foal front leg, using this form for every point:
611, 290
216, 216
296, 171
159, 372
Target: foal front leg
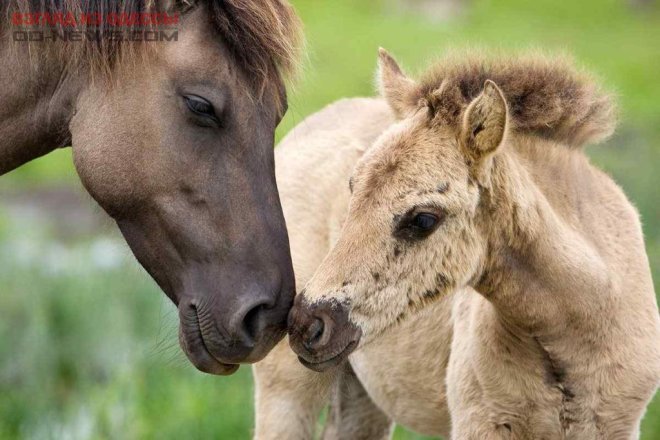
352, 414
288, 396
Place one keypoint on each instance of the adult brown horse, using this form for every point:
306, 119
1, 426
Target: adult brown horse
174, 139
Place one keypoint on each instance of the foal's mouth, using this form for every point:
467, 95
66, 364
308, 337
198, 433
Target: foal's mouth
332, 361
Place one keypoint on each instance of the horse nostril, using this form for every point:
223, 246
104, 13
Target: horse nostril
252, 323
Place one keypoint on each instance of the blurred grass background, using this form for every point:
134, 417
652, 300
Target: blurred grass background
88, 343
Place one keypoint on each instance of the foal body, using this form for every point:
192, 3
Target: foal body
554, 330
562, 341
396, 383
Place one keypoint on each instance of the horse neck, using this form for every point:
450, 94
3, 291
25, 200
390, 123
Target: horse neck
536, 260
37, 101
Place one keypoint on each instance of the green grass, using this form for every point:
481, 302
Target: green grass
88, 347
89, 351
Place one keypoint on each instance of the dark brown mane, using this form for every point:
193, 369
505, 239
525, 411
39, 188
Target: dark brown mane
547, 95
263, 35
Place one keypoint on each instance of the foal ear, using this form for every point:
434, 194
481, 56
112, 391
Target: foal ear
485, 122
399, 91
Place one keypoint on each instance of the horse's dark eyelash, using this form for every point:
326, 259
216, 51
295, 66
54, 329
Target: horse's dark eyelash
190, 101
210, 116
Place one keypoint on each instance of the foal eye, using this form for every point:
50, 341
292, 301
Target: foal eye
417, 225
424, 221
200, 106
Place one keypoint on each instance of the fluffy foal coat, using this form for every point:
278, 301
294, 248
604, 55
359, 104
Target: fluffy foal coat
554, 331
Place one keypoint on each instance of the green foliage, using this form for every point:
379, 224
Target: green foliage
88, 344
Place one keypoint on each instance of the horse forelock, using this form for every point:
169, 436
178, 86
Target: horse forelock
264, 36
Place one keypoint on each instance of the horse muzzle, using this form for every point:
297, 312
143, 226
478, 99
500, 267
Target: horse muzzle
216, 343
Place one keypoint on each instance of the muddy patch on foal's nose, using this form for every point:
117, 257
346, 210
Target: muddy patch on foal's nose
321, 333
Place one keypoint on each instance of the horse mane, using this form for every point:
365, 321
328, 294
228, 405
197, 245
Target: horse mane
548, 96
264, 35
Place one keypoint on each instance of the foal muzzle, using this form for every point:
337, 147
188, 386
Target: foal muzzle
321, 333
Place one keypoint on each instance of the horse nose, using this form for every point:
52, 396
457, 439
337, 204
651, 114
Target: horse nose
252, 320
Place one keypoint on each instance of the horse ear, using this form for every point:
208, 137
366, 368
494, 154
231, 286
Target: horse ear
485, 122
400, 92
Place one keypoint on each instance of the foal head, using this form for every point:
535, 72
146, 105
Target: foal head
178, 149
411, 232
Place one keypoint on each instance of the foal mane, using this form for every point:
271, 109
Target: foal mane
548, 96
263, 35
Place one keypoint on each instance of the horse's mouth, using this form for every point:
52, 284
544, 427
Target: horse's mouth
193, 345
333, 361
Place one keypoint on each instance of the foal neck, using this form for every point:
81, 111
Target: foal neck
537, 258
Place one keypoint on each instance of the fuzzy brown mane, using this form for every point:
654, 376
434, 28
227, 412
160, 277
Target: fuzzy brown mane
547, 95
263, 35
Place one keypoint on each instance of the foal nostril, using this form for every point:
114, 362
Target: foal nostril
314, 333
319, 333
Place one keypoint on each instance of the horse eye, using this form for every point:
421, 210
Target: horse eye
200, 106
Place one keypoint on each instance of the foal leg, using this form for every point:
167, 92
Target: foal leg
288, 396
352, 414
